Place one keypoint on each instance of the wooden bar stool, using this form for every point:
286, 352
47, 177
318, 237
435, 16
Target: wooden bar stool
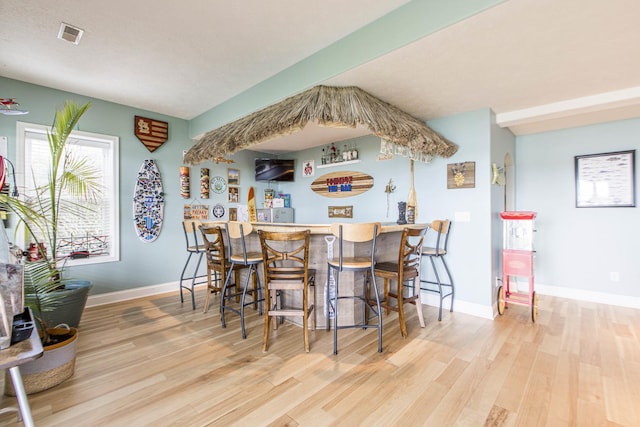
356, 233
406, 269
436, 254
236, 232
285, 257
217, 264
195, 246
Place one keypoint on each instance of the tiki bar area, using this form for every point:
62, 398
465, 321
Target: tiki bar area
319, 213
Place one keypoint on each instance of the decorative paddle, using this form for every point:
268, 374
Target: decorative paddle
412, 199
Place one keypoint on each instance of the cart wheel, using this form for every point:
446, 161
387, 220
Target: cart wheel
534, 307
501, 303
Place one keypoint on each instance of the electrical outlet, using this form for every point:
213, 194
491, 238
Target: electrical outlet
614, 276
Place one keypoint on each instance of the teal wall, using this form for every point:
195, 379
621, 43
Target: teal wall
578, 248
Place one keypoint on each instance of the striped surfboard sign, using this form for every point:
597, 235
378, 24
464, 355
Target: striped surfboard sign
342, 184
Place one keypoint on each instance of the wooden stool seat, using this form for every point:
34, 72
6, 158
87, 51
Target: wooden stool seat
407, 269
285, 258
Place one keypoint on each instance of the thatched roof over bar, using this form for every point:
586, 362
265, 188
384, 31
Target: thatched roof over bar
328, 106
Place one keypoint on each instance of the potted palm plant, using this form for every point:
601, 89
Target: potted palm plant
71, 184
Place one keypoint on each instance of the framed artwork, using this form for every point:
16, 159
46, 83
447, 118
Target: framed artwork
233, 176
461, 175
308, 168
234, 194
606, 180
233, 214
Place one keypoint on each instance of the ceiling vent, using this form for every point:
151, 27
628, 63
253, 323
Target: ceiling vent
70, 33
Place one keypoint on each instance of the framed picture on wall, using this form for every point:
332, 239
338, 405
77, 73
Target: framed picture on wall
233, 176
606, 180
234, 194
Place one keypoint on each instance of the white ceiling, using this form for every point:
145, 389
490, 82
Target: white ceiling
539, 64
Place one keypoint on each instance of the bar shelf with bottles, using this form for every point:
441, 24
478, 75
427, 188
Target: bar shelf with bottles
332, 156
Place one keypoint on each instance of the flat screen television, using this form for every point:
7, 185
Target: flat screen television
275, 169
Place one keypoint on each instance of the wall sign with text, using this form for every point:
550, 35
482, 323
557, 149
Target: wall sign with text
342, 184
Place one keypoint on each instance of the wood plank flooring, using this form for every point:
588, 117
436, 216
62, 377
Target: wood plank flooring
156, 362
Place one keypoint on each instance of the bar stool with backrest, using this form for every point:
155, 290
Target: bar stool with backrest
436, 254
243, 259
217, 264
355, 233
285, 257
406, 269
195, 246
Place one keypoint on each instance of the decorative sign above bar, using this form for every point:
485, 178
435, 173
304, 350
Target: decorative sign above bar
342, 184
340, 211
152, 133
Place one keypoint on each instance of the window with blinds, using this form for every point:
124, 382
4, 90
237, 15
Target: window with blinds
92, 236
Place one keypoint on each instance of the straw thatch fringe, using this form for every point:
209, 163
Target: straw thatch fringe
329, 106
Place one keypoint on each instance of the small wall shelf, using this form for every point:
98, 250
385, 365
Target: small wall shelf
332, 165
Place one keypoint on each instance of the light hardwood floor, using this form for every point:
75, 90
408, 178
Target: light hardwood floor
157, 362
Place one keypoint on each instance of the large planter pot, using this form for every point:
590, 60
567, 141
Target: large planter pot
73, 299
55, 366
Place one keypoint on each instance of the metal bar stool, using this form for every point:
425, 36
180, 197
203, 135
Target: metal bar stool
442, 228
356, 233
405, 270
236, 232
195, 246
285, 257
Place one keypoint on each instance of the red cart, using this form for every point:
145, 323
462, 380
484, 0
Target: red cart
517, 260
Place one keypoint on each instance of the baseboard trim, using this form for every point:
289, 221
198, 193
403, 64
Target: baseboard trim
428, 298
129, 294
590, 296
459, 306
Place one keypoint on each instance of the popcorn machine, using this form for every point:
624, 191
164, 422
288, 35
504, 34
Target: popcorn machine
517, 260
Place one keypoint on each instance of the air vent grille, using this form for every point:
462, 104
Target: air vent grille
70, 33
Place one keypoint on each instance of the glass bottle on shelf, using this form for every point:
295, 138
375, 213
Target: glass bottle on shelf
354, 153
323, 159
346, 153
334, 153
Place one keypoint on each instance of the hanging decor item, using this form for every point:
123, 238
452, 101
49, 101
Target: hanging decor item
412, 200
342, 184
390, 188
218, 211
152, 133
204, 183
185, 183
200, 212
148, 202
461, 175
218, 184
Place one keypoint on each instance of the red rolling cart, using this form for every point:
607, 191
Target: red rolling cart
517, 260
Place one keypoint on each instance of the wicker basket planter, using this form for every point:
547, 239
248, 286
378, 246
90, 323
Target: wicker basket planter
55, 366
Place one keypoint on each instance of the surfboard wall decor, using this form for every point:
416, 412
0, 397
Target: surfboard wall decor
148, 202
342, 184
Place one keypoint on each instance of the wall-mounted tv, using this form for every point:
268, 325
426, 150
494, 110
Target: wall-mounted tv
275, 169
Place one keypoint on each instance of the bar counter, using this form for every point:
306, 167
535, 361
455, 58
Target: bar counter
387, 246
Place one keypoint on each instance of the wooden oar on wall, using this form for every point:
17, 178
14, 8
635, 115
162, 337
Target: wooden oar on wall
413, 198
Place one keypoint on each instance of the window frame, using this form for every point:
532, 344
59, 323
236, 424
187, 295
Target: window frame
113, 142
